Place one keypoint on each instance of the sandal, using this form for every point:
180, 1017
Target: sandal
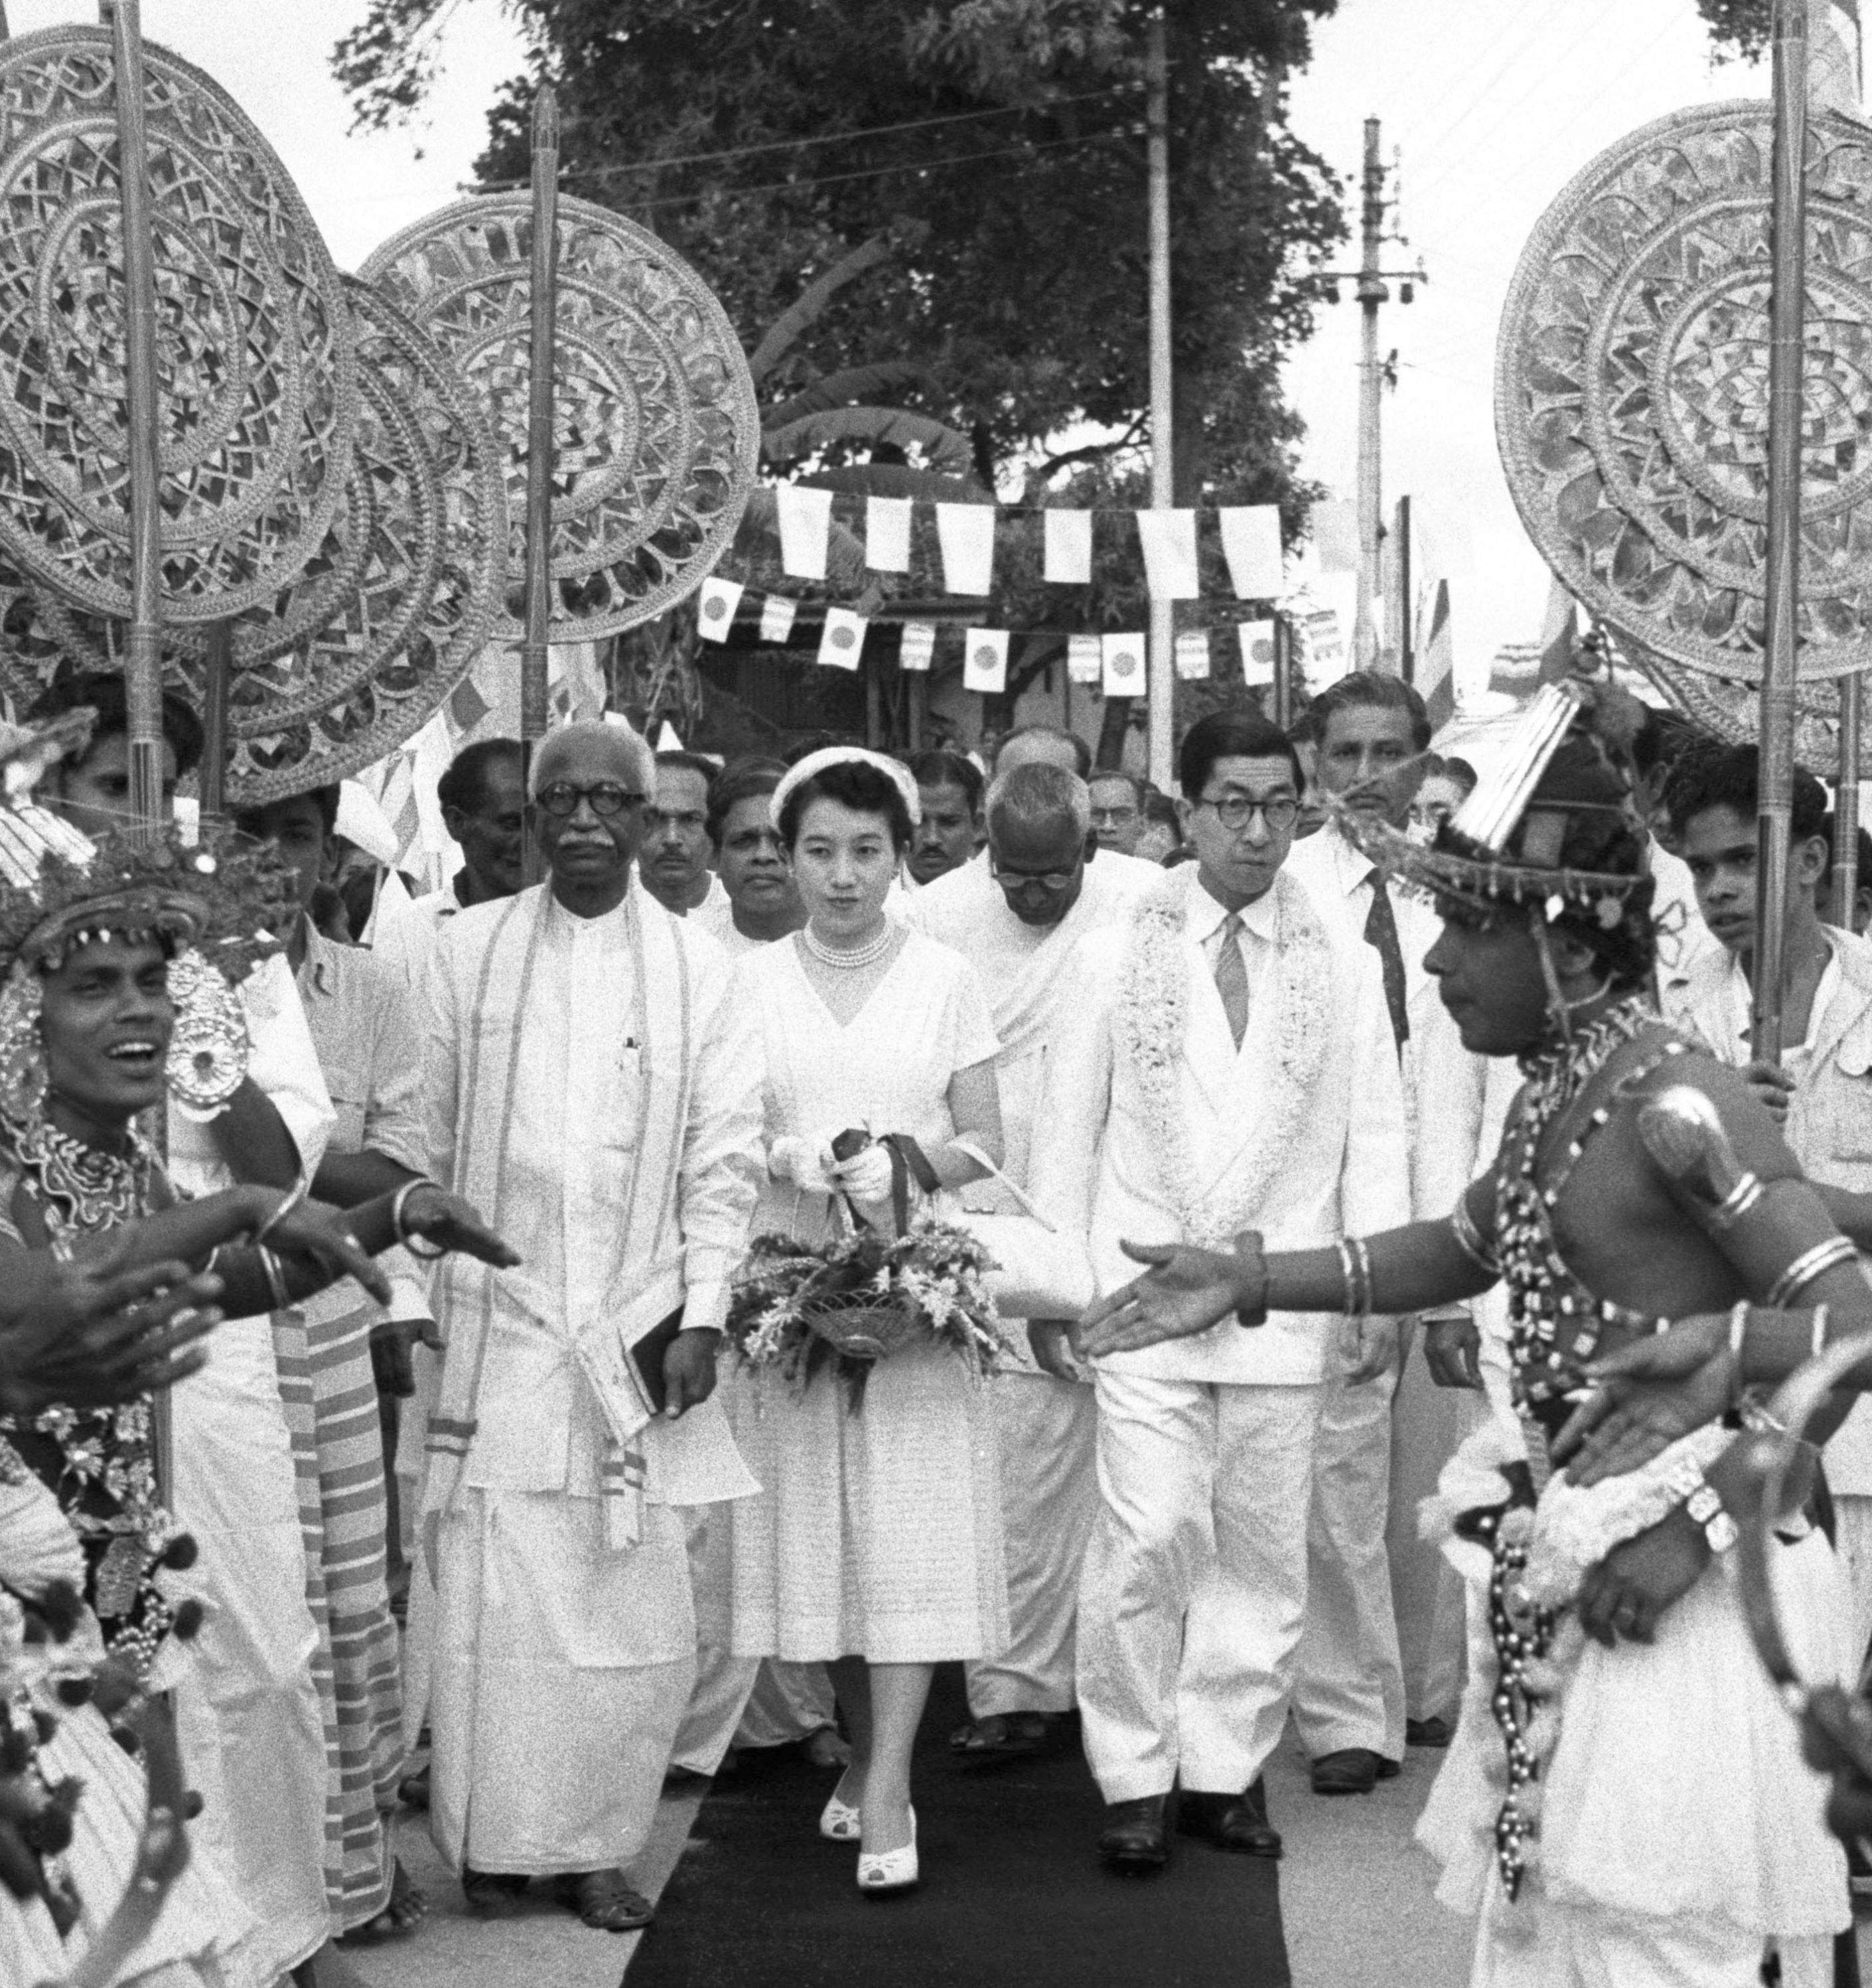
406, 1910
1014, 1735
494, 1895
603, 1901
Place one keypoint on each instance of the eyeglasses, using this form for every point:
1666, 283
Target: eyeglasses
562, 798
1053, 879
1235, 811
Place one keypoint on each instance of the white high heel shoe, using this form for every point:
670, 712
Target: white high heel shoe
839, 1821
890, 1870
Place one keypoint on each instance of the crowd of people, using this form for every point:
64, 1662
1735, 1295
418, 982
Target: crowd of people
368, 1412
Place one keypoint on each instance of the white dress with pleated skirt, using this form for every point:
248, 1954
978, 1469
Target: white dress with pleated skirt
877, 1533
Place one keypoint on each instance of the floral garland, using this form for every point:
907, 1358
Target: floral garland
1153, 1023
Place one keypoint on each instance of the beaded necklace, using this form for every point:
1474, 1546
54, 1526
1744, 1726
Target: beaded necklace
1555, 1321
100, 1463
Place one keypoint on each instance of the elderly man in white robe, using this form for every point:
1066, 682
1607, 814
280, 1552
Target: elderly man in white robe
1380, 1663
584, 1068
1228, 1064
1017, 910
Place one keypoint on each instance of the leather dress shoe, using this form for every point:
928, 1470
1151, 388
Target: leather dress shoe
1433, 1731
1136, 1837
1231, 1822
1355, 1770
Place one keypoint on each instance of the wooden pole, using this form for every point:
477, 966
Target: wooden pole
218, 670
1846, 802
1786, 382
1162, 673
1365, 641
542, 302
142, 651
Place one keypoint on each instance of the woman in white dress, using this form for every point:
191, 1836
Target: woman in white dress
876, 1544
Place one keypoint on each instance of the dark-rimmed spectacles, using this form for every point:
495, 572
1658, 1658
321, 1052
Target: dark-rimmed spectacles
1236, 811
607, 799
1012, 880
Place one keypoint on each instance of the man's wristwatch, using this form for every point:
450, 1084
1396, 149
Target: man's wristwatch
1705, 1505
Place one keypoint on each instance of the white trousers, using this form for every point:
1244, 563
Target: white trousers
1195, 1581
1852, 1523
1046, 1431
1348, 1687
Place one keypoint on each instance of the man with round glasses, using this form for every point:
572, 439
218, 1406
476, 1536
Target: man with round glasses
1381, 1662
1017, 912
584, 1063
1226, 1059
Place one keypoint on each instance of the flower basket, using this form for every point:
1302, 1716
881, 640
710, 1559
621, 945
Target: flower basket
858, 1299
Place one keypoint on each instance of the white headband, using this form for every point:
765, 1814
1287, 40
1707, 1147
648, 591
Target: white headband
815, 763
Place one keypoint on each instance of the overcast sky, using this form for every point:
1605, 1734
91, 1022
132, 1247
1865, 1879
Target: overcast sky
1493, 104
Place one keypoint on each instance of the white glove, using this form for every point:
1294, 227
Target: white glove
866, 1176
802, 1163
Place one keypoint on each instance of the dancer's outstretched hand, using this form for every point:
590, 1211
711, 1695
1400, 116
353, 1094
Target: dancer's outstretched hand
1648, 1395
452, 1223
1184, 1291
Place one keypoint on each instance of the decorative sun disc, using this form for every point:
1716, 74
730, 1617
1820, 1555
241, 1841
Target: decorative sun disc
256, 377
1632, 390
656, 429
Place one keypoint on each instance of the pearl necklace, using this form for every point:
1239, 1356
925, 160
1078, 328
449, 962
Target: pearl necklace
852, 962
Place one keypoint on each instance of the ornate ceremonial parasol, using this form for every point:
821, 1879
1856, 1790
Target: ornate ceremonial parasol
258, 399
655, 429
1631, 394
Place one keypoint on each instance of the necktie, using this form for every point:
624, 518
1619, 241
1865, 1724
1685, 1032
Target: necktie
1381, 931
1232, 977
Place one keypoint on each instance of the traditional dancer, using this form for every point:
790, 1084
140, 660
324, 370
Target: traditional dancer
1625, 1802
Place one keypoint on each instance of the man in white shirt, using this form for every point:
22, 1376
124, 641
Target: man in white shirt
1016, 913
1367, 1606
584, 1067
1228, 1064
1822, 1089
676, 856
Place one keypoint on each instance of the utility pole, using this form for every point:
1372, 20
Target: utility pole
1163, 674
1372, 281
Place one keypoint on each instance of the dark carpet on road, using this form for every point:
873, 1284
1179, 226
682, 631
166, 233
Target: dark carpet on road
1011, 1891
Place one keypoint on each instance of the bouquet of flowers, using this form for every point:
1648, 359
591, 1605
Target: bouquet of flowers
858, 1298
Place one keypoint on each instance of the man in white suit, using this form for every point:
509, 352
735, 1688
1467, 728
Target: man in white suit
1229, 1065
1380, 1659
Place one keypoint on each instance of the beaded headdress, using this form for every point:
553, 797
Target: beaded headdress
1552, 825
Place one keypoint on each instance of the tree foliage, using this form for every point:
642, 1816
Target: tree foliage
986, 155
1737, 27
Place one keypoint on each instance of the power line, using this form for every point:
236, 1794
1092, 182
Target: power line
824, 138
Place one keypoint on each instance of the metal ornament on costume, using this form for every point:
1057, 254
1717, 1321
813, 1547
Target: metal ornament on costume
657, 431
1632, 390
254, 346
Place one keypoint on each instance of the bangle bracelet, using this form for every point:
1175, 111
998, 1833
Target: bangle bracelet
301, 1187
1355, 1266
275, 1278
1470, 1240
1738, 1327
1740, 1200
1809, 1265
399, 1199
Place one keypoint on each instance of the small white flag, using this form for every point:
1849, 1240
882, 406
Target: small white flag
715, 613
806, 519
1169, 540
967, 532
669, 739
777, 613
887, 534
1082, 661
984, 660
1069, 548
842, 640
1257, 640
1251, 543
1192, 654
1124, 658
919, 646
